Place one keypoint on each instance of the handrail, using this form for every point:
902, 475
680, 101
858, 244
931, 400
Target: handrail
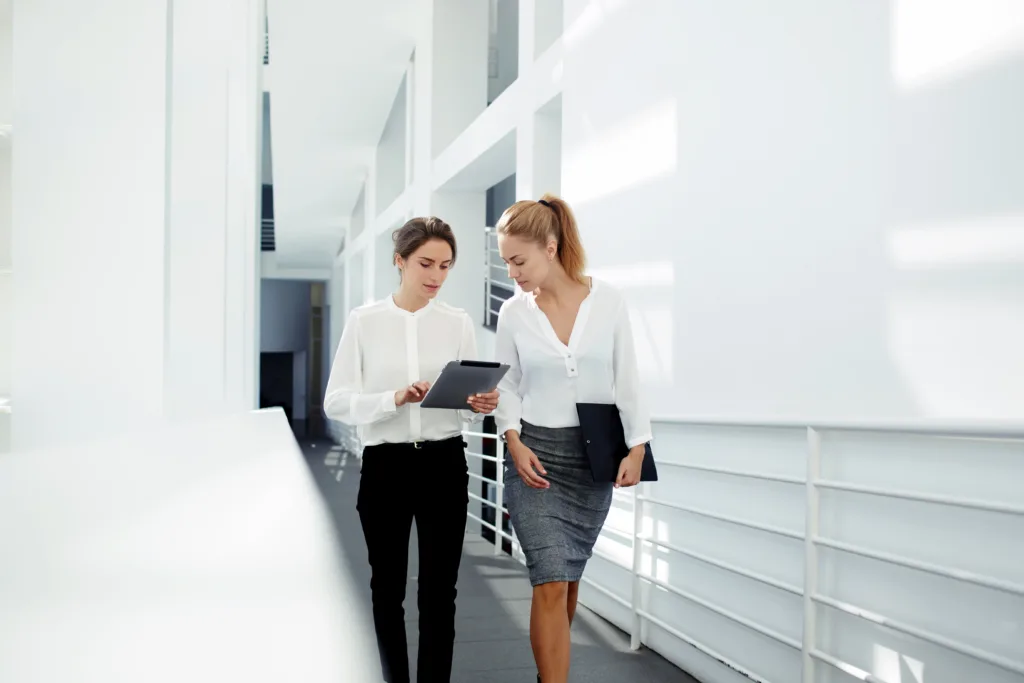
995, 429
814, 452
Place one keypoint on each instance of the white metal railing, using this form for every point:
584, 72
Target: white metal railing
497, 284
268, 241
813, 540
498, 504
266, 36
811, 653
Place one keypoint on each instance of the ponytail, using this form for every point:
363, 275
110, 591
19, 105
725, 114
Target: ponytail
570, 247
543, 220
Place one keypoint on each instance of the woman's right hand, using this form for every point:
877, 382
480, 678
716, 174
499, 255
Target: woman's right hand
413, 393
528, 465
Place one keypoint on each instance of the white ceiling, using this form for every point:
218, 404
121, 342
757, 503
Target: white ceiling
336, 66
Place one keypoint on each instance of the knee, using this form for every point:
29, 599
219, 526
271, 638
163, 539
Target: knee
551, 595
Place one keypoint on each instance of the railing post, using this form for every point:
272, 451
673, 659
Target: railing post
635, 635
487, 279
499, 497
811, 515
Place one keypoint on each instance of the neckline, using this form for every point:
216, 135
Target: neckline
394, 306
578, 325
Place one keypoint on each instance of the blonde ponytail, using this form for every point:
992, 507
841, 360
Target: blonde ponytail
543, 220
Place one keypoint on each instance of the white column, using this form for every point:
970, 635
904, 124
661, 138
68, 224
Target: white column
90, 214
423, 109
450, 84
466, 212
528, 11
245, 34
6, 263
369, 254
410, 121
216, 107
525, 144
136, 207
459, 82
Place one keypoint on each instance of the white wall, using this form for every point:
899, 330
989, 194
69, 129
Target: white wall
830, 241
284, 324
6, 279
268, 160
804, 230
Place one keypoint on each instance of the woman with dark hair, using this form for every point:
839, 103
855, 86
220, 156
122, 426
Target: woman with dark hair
377, 381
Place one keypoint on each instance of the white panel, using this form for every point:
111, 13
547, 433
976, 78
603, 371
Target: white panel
91, 131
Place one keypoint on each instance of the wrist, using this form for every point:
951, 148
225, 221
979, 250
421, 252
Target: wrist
399, 398
638, 452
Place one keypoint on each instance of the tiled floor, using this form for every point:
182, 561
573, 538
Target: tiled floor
492, 630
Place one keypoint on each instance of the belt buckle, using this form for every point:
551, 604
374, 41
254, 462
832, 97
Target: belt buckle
418, 445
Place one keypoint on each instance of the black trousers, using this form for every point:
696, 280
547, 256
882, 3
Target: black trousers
401, 483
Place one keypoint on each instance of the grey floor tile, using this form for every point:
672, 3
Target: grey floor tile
493, 608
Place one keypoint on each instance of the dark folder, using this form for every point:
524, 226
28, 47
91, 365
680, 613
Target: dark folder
605, 442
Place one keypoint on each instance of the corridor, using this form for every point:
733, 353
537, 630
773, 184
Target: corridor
492, 627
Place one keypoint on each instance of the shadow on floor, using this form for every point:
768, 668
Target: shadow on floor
492, 627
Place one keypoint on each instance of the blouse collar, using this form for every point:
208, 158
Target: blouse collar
394, 306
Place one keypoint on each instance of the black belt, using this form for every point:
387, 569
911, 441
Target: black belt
418, 445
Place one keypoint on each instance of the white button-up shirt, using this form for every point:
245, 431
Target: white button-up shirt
385, 348
547, 378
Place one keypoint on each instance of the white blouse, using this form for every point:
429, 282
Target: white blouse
385, 348
547, 378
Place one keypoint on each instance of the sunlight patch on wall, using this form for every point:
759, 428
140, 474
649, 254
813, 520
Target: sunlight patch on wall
593, 16
960, 355
889, 666
936, 40
640, 149
997, 240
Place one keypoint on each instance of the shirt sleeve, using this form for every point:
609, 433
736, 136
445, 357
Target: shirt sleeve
345, 400
509, 415
467, 351
636, 423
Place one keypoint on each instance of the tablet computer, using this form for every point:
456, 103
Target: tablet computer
459, 380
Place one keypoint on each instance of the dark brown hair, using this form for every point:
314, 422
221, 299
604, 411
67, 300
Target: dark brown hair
540, 221
419, 231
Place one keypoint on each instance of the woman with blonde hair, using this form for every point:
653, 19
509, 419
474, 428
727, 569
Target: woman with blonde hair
567, 340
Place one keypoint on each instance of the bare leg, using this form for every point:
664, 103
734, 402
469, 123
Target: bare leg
571, 598
549, 631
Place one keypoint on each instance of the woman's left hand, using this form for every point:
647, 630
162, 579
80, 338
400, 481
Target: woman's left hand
629, 468
484, 403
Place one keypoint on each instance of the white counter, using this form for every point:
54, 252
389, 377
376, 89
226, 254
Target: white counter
199, 553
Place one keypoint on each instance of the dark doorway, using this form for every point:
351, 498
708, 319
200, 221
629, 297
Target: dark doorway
276, 382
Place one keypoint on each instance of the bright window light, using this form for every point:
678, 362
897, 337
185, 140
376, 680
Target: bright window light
640, 149
935, 40
989, 241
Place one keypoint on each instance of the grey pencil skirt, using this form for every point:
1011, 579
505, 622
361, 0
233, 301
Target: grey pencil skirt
557, 526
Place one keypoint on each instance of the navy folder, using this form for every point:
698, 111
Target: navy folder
605, 442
